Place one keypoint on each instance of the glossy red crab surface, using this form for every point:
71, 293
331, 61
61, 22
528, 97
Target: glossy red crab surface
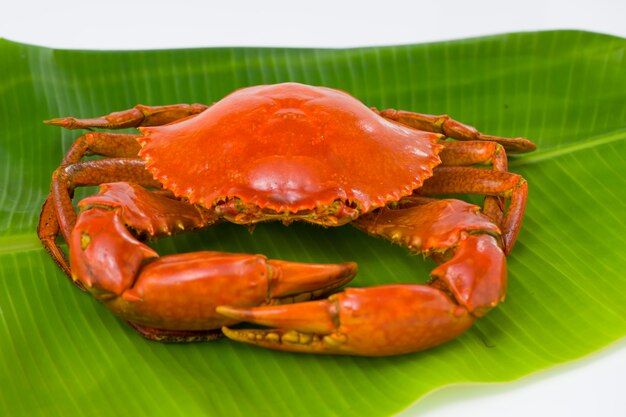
287, 152
287, 149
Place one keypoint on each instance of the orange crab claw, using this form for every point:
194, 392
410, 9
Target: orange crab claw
389, 319
375, 321
163, 295
180, 292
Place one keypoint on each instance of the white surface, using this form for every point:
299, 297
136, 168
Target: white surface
128, 24
593, 386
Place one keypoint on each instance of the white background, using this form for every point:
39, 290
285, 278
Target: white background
593, 386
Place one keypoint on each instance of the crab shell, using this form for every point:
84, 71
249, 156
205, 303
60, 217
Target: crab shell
289, 151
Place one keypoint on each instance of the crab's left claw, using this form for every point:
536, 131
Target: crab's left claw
396, 319
388, 319
375, 321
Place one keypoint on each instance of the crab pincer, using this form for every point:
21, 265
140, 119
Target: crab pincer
375, 321
173, 297
396, 319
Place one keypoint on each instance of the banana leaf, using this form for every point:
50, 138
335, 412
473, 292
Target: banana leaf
63, 354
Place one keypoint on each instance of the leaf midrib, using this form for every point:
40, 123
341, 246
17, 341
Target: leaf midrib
592, 142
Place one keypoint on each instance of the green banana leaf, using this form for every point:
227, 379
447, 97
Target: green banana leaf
63, 354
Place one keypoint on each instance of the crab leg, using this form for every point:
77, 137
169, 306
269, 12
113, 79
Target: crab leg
396, 319
455, 130
117, 145
469, 153
457, 154
473, 153
139, 115
477, 152
469, 180
99, 143
168, 297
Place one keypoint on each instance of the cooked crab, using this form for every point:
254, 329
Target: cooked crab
286, 152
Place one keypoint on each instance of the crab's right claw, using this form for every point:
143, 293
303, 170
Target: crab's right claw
375, 321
